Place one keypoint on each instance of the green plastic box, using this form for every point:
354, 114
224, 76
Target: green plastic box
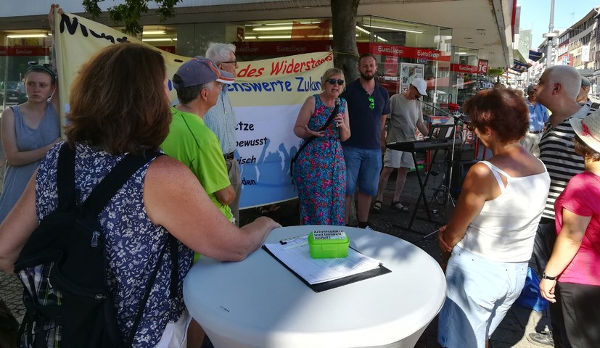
328, 244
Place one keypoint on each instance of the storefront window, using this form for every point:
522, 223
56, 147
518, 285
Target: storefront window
464, 73
403, 50
163, 37
407, 50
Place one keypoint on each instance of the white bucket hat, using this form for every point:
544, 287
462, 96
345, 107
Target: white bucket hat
588, 129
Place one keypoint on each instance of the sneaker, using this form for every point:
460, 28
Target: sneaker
541, 339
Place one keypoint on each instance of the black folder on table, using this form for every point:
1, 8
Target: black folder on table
331, 284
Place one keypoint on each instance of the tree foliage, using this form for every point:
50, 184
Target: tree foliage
494, 72
130, 12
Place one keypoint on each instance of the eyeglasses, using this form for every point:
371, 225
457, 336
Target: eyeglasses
333, 81
371, 102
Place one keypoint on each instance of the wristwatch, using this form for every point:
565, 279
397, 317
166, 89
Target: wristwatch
545, 276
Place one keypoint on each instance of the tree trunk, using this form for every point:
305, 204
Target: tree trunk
343, 27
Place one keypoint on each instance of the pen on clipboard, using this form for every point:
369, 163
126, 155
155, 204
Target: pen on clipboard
291, 239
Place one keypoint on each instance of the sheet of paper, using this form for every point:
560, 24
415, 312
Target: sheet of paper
295, 254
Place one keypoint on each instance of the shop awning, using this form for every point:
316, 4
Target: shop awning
535, 55
519, 62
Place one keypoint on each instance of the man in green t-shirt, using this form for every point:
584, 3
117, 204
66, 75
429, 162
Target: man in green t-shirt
198, 83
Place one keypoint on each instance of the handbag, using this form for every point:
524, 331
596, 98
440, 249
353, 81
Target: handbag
308, 140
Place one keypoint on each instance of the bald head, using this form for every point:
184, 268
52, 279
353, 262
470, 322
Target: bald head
568, 77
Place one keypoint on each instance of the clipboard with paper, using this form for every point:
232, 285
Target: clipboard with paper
323, 274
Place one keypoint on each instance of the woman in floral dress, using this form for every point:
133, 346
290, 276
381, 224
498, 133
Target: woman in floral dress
320, 171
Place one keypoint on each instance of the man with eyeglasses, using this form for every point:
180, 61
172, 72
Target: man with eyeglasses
406, 118
368, 108
221, 120
198, 83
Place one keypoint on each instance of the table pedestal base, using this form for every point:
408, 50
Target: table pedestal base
220, 341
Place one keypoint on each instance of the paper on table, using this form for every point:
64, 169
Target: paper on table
295, 254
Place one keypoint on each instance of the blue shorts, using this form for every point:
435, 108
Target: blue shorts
479, 293
362, 167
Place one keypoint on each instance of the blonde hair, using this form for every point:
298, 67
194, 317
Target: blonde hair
332, 72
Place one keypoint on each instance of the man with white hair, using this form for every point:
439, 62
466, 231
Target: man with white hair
221, 120
557, 90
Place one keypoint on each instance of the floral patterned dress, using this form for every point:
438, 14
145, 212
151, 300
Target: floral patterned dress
320, 172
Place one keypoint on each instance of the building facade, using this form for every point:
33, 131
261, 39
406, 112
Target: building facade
439, 40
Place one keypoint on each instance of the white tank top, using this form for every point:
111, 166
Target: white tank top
505, 228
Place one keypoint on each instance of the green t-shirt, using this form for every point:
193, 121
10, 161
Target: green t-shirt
192, 143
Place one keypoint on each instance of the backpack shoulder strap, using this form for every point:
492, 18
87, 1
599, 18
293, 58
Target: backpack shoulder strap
65, 177
107, 188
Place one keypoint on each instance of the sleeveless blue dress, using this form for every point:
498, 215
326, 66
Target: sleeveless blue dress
16, 178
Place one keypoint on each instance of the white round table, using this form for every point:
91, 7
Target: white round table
259, 303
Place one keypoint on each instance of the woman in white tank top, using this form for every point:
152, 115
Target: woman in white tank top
492, 229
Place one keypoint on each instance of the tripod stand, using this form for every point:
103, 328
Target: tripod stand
443, 194
445, 188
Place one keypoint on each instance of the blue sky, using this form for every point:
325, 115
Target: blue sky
535, 15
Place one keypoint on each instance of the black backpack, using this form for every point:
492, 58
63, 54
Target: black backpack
68, 296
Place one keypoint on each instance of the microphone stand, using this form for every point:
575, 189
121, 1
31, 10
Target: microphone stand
457, 119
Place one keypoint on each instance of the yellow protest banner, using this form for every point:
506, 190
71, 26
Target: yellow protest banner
77, 39
267, 95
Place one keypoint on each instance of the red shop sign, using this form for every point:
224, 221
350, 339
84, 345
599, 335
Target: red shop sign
24, 51
402, 51
281, 48
464, 68
483, 66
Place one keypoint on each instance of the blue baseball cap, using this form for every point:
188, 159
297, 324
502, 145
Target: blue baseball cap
200, 70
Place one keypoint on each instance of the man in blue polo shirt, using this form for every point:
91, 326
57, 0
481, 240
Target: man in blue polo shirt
368, 108
538, 115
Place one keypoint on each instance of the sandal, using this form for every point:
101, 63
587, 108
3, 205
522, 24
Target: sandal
401, 208
376, 207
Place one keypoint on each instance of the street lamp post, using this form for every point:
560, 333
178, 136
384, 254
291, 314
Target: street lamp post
550, 35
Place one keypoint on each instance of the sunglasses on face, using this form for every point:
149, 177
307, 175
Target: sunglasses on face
333, 81
371, 102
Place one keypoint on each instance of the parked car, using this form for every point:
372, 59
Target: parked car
15, 92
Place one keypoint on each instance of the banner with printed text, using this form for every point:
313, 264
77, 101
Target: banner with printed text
266, 97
